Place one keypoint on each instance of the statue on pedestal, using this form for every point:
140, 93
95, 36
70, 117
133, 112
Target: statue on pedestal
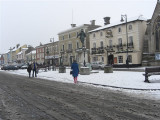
82, 37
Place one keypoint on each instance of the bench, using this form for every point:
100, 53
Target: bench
151, 71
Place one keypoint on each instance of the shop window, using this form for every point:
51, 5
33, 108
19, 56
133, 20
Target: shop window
120, 59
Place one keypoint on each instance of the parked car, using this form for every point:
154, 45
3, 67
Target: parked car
19, 65
10, 67
24, 67
97, 65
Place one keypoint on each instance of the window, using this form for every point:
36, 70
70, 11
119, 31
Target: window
119, 30
120, 59
56, 48
63, 38
130, 27
95, 59
130, 58
94, 45
110, 43
69, 36
63, 48
130, 42
120, 42
101, 33
101, 43
102, 59
77, 45
70, 46
94, 35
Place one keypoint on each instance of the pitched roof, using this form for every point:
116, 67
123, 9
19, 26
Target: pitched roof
140, 18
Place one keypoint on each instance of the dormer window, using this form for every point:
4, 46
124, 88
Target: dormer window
101, 33
94, 35
119, 30
130, 27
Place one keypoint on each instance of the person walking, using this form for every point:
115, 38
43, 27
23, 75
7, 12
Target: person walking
75, 70
29, 68
34, 68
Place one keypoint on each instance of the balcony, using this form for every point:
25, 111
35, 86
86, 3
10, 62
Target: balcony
94, 50
69, 50
99, 50
130, 45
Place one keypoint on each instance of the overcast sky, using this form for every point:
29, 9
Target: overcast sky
33, 21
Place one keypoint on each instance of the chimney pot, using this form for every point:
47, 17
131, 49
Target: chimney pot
73, 25
92, 22
106, 20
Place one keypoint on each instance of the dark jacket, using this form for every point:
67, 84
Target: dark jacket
29, 68
75, 69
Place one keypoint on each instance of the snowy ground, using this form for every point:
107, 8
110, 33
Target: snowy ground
121, 79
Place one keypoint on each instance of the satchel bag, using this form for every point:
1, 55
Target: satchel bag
71, 72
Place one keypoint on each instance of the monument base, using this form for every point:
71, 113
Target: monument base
84, 71
62, 69
108, 69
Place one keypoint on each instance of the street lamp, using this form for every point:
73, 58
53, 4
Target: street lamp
47, 57
54, 65
122, 17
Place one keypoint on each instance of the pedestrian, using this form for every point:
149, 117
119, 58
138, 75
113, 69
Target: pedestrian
29, 68
34, 68
75, 70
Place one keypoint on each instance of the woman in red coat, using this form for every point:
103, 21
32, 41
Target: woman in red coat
75, 70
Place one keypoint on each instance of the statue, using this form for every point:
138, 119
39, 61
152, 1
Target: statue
82, 36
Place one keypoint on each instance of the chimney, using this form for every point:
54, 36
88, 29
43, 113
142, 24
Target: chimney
92, 22
106, 20
73, 25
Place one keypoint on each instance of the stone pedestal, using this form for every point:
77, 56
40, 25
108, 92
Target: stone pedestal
84, 71
108, 69
62, 69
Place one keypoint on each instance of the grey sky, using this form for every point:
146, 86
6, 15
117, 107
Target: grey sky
33, 21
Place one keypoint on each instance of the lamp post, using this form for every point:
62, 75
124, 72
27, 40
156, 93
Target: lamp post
122, 17
47, 57
84, 50
54, 65
61, 60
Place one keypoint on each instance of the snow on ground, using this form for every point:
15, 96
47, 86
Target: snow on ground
122, 79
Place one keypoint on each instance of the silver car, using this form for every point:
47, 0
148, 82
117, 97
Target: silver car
97, 65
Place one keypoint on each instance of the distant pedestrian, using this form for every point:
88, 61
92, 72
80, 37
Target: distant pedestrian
29, 68
75, 70
34, 68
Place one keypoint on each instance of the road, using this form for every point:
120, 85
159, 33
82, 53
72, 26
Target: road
23, 98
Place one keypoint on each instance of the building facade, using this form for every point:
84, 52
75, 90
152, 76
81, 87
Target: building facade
108, 44
70, 46
51, 53
151, 51
40, 54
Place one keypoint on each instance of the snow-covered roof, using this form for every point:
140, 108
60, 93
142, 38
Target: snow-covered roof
32, 52
74, 28
140, 18
19, 53
24, 48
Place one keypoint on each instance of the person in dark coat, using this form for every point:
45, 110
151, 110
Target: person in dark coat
29, 68
34, 68
75, 70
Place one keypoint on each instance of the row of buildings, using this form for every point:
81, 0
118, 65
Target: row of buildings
136, 42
